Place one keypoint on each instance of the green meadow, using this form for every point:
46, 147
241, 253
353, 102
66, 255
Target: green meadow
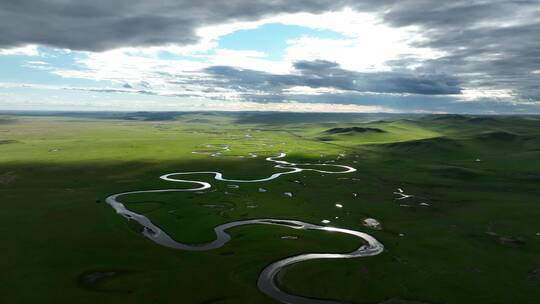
470, 232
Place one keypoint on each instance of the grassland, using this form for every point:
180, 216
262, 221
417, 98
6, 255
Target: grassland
470, 234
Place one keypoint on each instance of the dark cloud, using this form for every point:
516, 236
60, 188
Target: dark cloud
489, 44
100, 24
325, 74
398, 91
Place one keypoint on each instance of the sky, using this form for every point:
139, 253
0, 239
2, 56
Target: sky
409, 56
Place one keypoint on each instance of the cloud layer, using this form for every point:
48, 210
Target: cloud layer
325, 74
100, 25
488, 51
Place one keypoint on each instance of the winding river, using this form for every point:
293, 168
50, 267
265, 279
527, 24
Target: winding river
266, 282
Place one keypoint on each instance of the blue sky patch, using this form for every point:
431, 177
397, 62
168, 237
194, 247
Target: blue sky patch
271, 38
